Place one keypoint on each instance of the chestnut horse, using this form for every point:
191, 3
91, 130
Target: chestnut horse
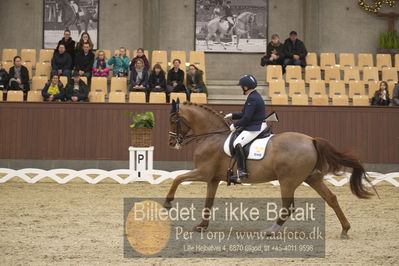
291, 158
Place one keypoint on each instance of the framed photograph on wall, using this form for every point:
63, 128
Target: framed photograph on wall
76, 15
231, 26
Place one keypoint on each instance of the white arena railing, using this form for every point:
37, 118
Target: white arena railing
126, 176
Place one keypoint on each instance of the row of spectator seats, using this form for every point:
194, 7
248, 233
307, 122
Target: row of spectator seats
319, 87
43, 66
113, 97
97, 83
388, 74
332, 76
317, 99
158, 98
347, 60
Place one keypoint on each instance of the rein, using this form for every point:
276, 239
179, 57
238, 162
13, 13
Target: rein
180, 138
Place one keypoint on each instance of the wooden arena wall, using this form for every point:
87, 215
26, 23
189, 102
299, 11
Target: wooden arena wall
99, 131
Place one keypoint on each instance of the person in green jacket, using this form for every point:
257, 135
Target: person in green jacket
195, 81
120, 62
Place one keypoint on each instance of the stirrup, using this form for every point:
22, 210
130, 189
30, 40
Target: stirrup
232, 179
240, 175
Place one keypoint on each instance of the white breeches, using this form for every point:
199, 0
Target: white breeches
247, 136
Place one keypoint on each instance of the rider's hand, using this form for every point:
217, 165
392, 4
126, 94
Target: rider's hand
228, 116
232, 127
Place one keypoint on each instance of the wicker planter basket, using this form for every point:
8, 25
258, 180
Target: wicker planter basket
141, 137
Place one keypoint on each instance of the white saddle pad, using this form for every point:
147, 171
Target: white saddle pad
256, 151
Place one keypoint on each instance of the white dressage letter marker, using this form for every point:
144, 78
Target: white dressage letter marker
141, 158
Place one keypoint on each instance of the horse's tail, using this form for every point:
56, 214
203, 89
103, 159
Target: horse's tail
330, 160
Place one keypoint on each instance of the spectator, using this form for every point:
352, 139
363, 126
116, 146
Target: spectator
61, 62
100, 66
195, 82
140, 54
175, 82
3, 78
157, 80
84, 38
381, 96
120, 62
19, 76
139, 77
294, 51
76, 90
274, 53
54, 90
69, 45
84, 61
395, 95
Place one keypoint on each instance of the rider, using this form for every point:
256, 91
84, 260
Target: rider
251, 120
76, 8
228, 14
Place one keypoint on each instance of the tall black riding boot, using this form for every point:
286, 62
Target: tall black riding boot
241, 162
230, 26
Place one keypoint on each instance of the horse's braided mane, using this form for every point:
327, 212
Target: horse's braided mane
208, 109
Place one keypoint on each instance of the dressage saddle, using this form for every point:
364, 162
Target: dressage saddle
264, 134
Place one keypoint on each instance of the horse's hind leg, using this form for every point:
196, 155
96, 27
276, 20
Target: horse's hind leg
287, 195
193, 175
210, 196
317, 184
78, 27
87, 22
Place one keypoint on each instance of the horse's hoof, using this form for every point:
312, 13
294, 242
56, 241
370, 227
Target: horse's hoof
269, 233
344, 237
167, 205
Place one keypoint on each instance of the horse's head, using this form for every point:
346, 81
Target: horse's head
179, 126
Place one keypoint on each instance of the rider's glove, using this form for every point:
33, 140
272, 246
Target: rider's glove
228, 116
232, 127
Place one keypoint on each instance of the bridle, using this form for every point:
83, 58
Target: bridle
180, 137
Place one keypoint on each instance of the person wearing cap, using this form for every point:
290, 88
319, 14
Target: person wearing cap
294, 51
76, 90
250, 120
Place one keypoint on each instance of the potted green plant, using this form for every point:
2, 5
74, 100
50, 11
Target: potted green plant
389, 43
141, 125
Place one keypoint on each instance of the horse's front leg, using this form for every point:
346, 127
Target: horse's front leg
238, 41
193, 175
210, 196
207, 41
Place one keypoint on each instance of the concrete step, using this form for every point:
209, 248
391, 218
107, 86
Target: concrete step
228, 92
222, 82
230, 89
231, 102
228, 99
